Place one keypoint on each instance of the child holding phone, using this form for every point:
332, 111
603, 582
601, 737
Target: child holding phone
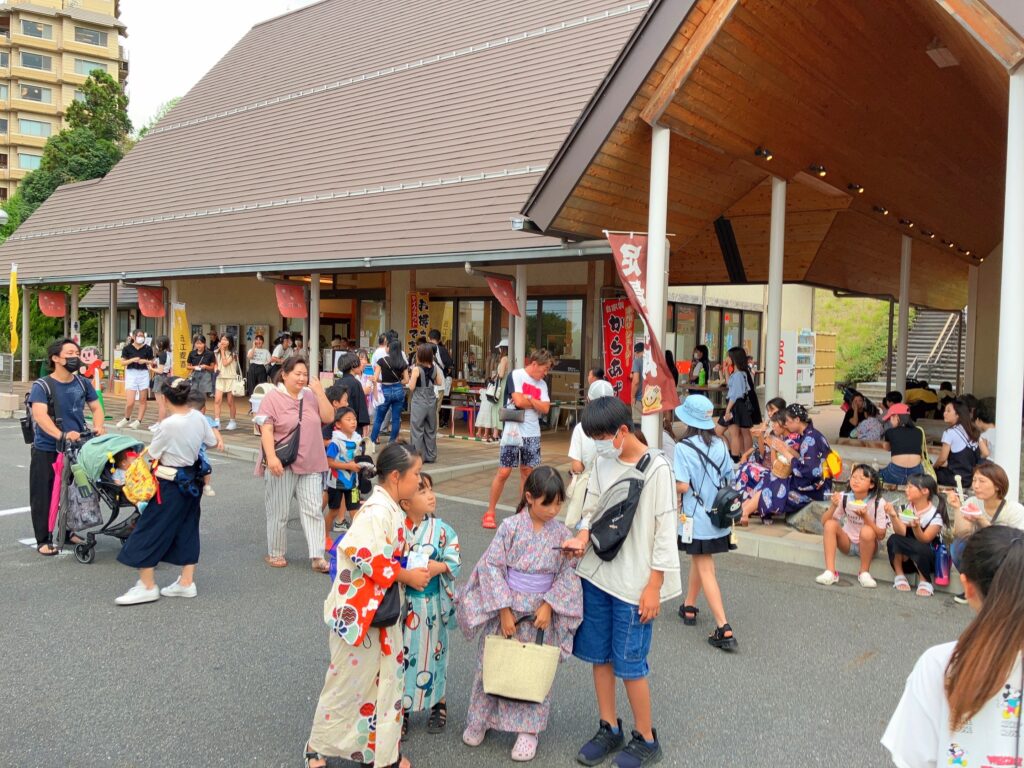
855, 524
522, 575
434, 545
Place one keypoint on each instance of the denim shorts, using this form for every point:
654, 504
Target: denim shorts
611, 633
525, 455
855, 549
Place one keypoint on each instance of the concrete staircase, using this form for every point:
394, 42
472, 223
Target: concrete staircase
934, 352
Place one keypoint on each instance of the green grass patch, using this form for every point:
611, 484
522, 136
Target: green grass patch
862, 329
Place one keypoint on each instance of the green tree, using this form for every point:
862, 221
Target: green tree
159, 115
104, 109
74, 154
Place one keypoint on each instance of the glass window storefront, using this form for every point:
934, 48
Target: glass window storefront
752, 334
467, 329
686, 327
713, 334
371, 322
557, 325
725, 328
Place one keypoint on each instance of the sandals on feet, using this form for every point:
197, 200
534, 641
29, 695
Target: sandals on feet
438, 718
688, 613
308, 756
525, 748
405, 724
52, 550
901, 584
925, 589
320, 565
724, 639
275, 562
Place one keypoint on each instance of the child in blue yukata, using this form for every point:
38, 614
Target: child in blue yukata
343, 476
197, 402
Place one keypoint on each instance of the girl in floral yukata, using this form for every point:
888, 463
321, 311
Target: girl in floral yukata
756, 468
784, 496
433, 542
359, 715
523, 573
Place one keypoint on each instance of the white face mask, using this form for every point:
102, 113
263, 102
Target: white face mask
140, 339
606, 449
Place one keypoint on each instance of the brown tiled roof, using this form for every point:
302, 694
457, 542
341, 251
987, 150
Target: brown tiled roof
345, 131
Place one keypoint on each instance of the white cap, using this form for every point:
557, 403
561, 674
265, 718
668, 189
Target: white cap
502, 343
600, 388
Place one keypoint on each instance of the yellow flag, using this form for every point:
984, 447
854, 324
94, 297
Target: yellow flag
15, 308
181, 340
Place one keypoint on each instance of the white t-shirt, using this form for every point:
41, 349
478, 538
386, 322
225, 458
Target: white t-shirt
919, 736
581, 447
989, 436
260, 356
651, 542
378, 353
956, 438
176, 443
535, 388
283, 354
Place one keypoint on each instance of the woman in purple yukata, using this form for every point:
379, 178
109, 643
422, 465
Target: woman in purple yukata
807, 483
523, 573
755, 469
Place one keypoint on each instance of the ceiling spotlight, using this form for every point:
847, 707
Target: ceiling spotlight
881, 209
967, 253
764, 153
951, 245
907, 223
818, 170
928, 233
855, 188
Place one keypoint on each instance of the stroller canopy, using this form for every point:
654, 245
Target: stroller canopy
95, 454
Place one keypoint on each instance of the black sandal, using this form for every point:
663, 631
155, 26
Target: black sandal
308, 755
438, 718
688, 613
53, 550
723, 641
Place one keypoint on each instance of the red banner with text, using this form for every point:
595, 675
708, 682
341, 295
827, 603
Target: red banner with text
617, 331
151, 301
52, 303
291, 300
630, 255
419, 316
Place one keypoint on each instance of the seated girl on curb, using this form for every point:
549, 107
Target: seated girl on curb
914, 532
861, 528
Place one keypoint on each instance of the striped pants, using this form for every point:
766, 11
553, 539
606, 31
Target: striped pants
278, 494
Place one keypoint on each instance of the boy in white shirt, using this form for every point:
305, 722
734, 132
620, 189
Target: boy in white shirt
622, 596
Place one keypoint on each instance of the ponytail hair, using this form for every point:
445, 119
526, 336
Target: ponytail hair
177, 391
927, 483
993, 561
397, 457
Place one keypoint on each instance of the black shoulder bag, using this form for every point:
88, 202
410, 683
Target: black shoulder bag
727, 505
287, 448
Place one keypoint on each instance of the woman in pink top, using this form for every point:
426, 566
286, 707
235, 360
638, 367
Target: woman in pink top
278, 416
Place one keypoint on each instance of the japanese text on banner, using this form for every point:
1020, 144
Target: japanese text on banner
617, 331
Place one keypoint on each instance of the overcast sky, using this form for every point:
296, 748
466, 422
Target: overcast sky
172, 45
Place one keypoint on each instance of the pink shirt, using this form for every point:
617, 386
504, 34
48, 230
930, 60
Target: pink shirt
283, 412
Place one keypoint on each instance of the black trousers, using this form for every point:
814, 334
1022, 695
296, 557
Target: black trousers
40, 490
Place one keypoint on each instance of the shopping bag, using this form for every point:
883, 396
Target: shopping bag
574, 499
517, 670
58, 478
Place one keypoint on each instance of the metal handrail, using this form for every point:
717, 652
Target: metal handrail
939, 347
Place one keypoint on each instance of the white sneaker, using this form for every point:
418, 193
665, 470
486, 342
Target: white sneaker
827, 578
176, 590
216, 424
133, 424
232, 426
208, 490
154, 427
139, 594
867, 581
122, 423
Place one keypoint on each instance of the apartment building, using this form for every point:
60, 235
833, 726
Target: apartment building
47, 50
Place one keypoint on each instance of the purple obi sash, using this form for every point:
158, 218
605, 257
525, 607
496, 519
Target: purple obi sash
530, 583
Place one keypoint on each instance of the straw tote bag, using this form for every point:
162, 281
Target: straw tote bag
517, 670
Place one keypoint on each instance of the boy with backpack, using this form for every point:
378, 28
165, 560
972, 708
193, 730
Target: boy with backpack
629, 565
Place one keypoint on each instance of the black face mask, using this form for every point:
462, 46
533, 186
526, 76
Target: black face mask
73, 364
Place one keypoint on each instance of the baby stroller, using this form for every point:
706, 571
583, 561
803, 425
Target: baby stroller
88, 486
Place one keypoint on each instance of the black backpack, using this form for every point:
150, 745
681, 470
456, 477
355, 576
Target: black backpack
727, 506
616, 510
28, 424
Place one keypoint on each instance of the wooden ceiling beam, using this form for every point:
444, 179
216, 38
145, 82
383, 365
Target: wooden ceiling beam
988, 29
702, 38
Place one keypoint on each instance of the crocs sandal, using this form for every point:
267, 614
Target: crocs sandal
438, 718
525, 748
473, 737
901, 584
688, 613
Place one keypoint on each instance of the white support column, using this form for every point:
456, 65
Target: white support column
776, 249
900, 372
26, 339
657, 257
519, 323
76, 327
313, 340
972, 327
1010, 371
111, 333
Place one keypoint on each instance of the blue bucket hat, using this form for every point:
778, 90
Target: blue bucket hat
696, 411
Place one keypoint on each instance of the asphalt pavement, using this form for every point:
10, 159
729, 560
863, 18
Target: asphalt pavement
232, 677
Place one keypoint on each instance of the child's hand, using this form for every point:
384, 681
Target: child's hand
576, 545
417, 578
220, 440
508, 622
436, 568
836, 498
542, 618
650, 603
889, 509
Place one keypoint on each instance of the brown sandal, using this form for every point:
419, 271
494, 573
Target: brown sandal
320, 565
275, 562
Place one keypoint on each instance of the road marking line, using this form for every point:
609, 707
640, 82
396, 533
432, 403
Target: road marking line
15, 511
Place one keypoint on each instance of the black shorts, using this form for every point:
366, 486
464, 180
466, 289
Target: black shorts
352, 498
